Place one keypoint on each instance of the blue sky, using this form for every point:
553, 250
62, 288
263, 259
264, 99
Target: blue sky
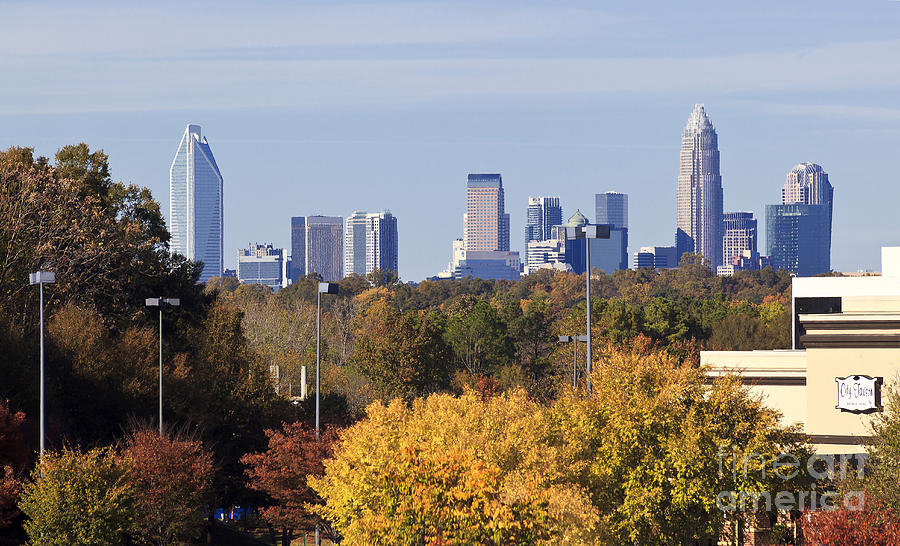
328, 107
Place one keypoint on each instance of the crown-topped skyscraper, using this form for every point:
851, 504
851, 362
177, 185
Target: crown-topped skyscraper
699, 199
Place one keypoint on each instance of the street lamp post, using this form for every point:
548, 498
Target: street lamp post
576, 339
40, 278
588, 232
159, 302
324, 288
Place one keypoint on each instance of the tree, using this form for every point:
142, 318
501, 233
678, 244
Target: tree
172, 479
409, 466
478, 337
402, 354
13, 457
282, 471
77, 497
649, 443
430, 496
876, 525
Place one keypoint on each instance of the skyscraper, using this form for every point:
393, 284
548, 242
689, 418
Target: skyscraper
542, 214
699, 199
298, 247
325, 247
195, 198
798, 232
797, 238
370, 242
739, 234
808, 184
486, 224
612, 209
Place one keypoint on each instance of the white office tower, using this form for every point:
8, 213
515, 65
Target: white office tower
370, 242
195, 197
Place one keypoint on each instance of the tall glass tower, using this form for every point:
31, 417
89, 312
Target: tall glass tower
543, 213
195, 200
612, 208
699, 212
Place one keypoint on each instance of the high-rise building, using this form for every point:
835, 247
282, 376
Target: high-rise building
263, 264
612, 209
317, 246
808, 184
483, 252
195, 200
370, 242
485, 224
699, 199
298, 247
738, 234
543, 214
797, 238
606, 250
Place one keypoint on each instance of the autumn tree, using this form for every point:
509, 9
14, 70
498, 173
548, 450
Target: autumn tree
478, 337
77, 497
13, 457
430, 496
875, 525
402, 354
505, 443
282, 471
652, 439
172, 476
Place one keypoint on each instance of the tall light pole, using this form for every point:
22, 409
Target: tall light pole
576, 339
159, 302
41, 278
324, 288
588, 232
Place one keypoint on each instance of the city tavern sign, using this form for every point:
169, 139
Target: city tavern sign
859, 393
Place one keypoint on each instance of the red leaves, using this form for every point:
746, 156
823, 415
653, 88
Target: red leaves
282, 470
876, 525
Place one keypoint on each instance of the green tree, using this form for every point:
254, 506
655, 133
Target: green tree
79, 497
402, 354
479, 338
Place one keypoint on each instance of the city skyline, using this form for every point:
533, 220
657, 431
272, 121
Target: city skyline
568, 99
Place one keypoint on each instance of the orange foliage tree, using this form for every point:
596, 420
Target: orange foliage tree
281, 472
876, 525
172, 477
13, 455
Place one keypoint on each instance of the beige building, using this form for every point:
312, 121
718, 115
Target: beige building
846, 349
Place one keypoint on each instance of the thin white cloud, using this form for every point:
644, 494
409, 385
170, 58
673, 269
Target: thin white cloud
362, 84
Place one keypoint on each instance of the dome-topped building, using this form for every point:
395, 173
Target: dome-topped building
577, 220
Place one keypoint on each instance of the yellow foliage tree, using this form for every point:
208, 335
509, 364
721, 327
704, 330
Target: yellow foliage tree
503, 442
